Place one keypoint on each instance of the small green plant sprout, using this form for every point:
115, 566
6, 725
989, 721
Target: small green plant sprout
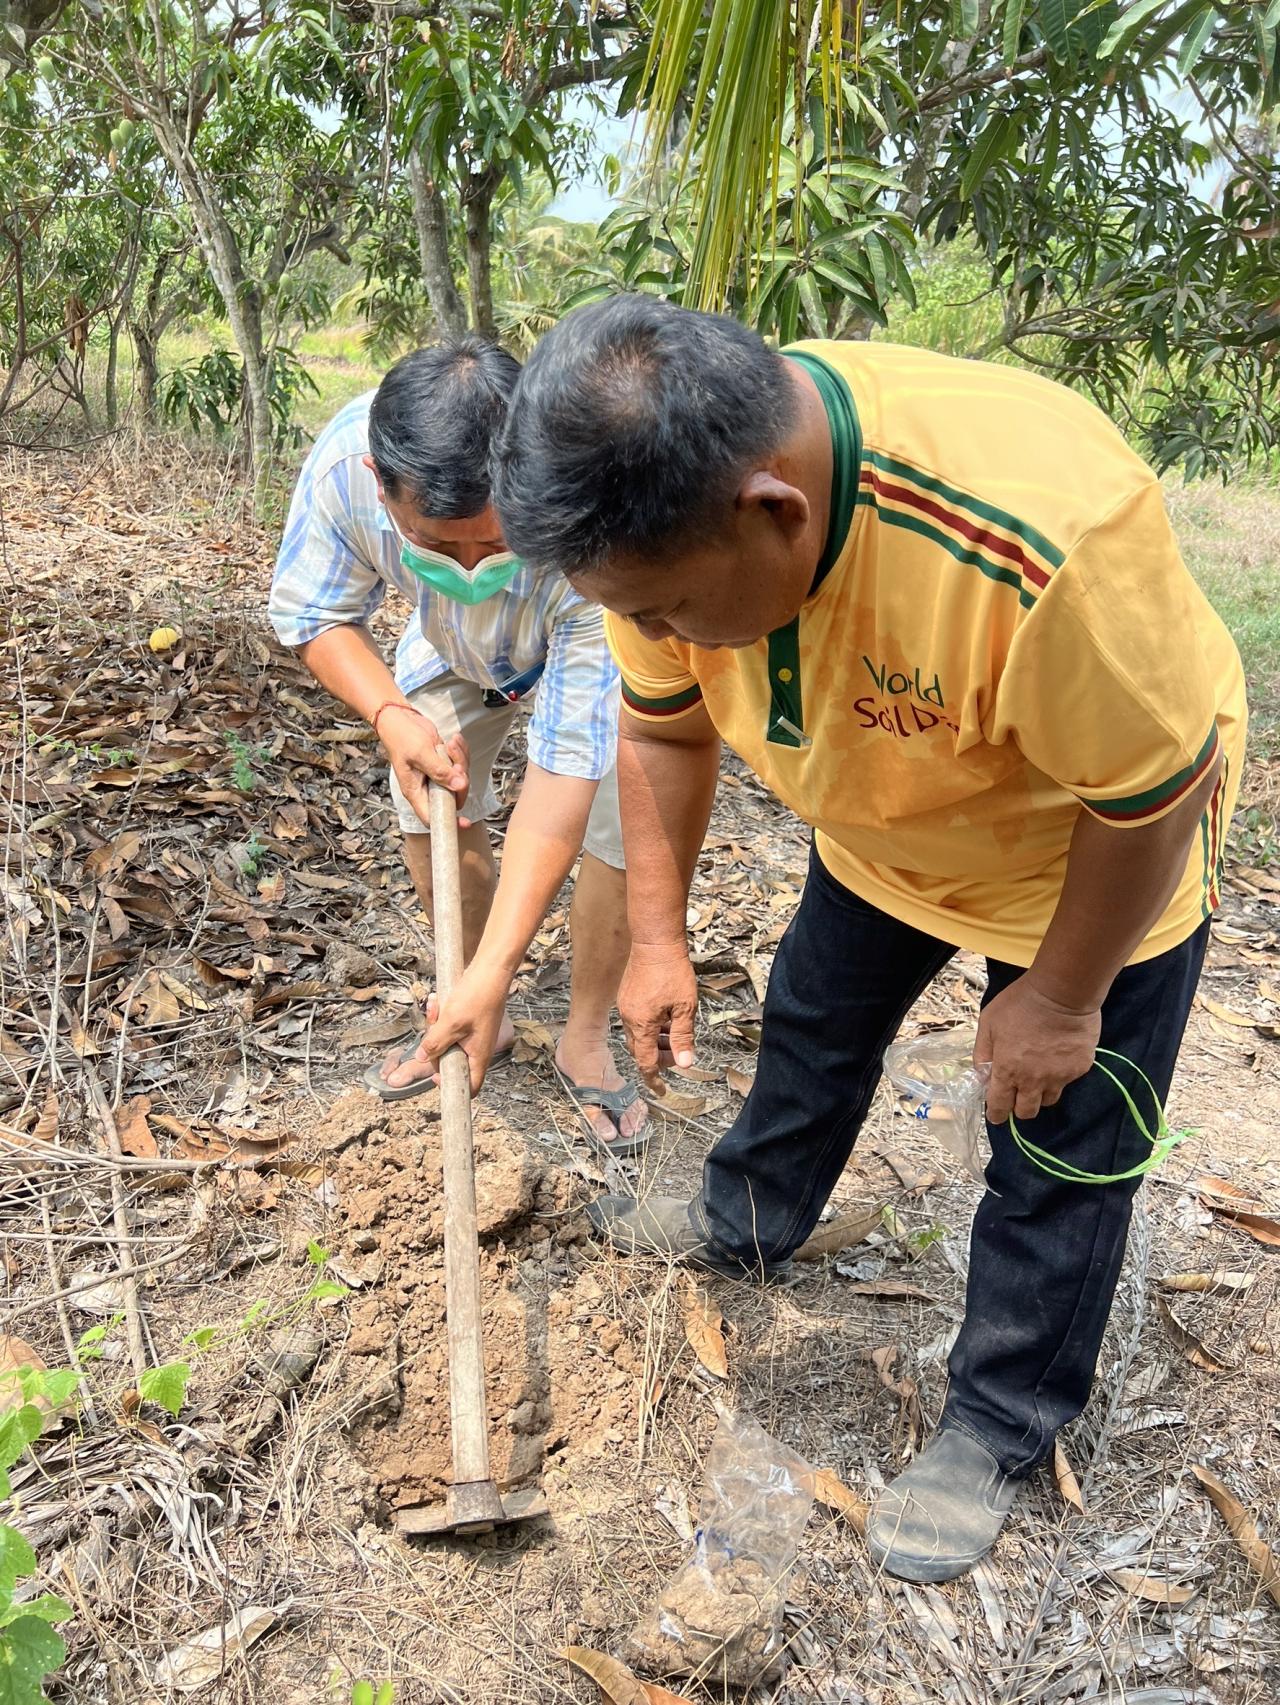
89, 1345
165, 1385
253, 853
243, 759
321, 1288
919, 1241
29, 1647
364, 1693
256, 1317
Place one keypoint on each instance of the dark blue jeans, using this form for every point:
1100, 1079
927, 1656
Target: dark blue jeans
1044, 1256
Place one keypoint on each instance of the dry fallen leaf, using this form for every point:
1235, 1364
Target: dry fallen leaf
537, 1036
154, 1002
832, 1492
616, 1681
1209, 1184
1065, 1476
884, 1360
1150, 1588
1227, 1014
842, 1232
199, 1661
132, 1128
378, 1033
695, 1074
1191, 1346
46, 1128
887, 1290
1218, 1283
740, 1082
674, 1103
1243, 1529
1261, 1227
703, 1325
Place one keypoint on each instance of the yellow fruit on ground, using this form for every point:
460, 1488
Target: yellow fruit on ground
163, 639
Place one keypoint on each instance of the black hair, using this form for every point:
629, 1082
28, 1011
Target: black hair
433, 421
632, 426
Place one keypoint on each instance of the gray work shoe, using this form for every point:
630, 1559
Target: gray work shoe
671, 1229
943, 1513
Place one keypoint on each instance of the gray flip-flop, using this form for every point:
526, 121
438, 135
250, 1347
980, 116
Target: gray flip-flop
614, 1102
376, 1084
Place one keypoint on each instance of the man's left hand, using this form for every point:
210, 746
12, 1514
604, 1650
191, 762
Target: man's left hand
1036, 1047
469, 1019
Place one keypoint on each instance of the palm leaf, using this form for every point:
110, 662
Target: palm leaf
754, 62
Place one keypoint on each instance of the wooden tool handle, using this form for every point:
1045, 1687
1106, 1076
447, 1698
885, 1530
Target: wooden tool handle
468, 1408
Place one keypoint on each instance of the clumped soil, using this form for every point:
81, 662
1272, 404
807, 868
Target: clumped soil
558, 1367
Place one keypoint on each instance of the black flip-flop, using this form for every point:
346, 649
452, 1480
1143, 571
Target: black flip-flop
376, 1084
614, 1103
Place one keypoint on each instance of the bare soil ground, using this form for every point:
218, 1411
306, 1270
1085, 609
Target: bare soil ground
209, 936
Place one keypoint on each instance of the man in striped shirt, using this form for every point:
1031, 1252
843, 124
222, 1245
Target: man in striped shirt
938, 607
395, 493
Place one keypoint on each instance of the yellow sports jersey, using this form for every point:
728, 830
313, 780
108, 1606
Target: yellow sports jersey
1002, 631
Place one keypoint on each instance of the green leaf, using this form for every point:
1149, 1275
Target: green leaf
16, 1557
18, 1427
1198, 33
1012, 30
1049, 151
29, 1650
386, 1694
994, 141
165, 1385
964, 19
325, 1288
201, 1337
1056, 17
48, 1607
362, 1693
317, 1254
1126, 26
811, 304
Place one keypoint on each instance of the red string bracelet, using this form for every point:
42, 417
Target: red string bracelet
392, 704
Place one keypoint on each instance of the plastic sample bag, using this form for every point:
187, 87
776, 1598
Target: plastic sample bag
720, 1616
936, 1081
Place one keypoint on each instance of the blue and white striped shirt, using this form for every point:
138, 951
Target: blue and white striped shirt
340, 553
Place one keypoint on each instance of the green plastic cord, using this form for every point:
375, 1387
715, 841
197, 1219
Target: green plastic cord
1164, 1140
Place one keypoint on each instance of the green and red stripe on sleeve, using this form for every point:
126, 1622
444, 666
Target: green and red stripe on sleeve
1155, 801
672, 704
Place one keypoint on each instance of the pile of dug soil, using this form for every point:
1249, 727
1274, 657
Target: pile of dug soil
557, 1368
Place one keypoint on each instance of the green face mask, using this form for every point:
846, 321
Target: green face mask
447, 577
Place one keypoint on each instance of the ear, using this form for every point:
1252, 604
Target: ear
786, 506
373, 469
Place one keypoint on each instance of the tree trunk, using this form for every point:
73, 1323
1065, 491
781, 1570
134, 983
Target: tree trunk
477, 202
430, 217
147, 369
113, 359
241, 298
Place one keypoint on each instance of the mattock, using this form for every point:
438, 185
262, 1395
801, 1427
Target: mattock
474, 1503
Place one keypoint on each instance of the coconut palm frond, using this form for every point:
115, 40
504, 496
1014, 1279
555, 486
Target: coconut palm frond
754, 69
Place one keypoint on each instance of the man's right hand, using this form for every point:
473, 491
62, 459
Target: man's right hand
657, 1003
419, 756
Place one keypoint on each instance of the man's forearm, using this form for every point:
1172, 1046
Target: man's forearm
666, 788
349, 664
1118, 884
543, 838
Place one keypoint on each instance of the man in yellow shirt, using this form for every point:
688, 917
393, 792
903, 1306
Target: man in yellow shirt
937, 606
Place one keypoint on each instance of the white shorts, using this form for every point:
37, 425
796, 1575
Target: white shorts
457, 707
